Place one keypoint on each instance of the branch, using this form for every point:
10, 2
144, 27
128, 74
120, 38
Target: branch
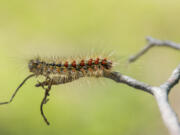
173, 80
151, 43
168, 115
129, 81
161, 92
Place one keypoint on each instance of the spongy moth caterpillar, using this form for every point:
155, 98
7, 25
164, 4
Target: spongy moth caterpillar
58, 70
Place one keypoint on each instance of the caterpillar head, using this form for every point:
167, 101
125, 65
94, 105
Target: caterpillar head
34, 66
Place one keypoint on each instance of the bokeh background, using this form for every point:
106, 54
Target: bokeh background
87, 106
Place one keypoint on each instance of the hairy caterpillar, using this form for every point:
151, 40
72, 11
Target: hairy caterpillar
59, 71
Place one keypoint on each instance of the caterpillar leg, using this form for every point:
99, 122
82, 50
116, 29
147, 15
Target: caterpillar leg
44, 83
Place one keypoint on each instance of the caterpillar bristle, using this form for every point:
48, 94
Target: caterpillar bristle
63, 70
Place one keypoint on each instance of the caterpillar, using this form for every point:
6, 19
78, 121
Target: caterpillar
60, 71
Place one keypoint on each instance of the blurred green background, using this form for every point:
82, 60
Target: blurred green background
100, 107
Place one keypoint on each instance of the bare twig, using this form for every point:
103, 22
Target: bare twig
116, 76
45, 100
173, 80
159, 92
151, 43
17, 89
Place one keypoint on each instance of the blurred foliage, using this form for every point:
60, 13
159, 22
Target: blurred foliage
63, 27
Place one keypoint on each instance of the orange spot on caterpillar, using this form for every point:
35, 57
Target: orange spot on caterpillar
51, 68
90, 62
104, 61
83, 71
58, 69
96, 61
74, 63
66, 64
39, 66
102, 68
82, 63
90, 69
73, 70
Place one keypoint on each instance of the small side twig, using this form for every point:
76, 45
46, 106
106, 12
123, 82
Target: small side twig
151, 43
45, 100
173, 80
